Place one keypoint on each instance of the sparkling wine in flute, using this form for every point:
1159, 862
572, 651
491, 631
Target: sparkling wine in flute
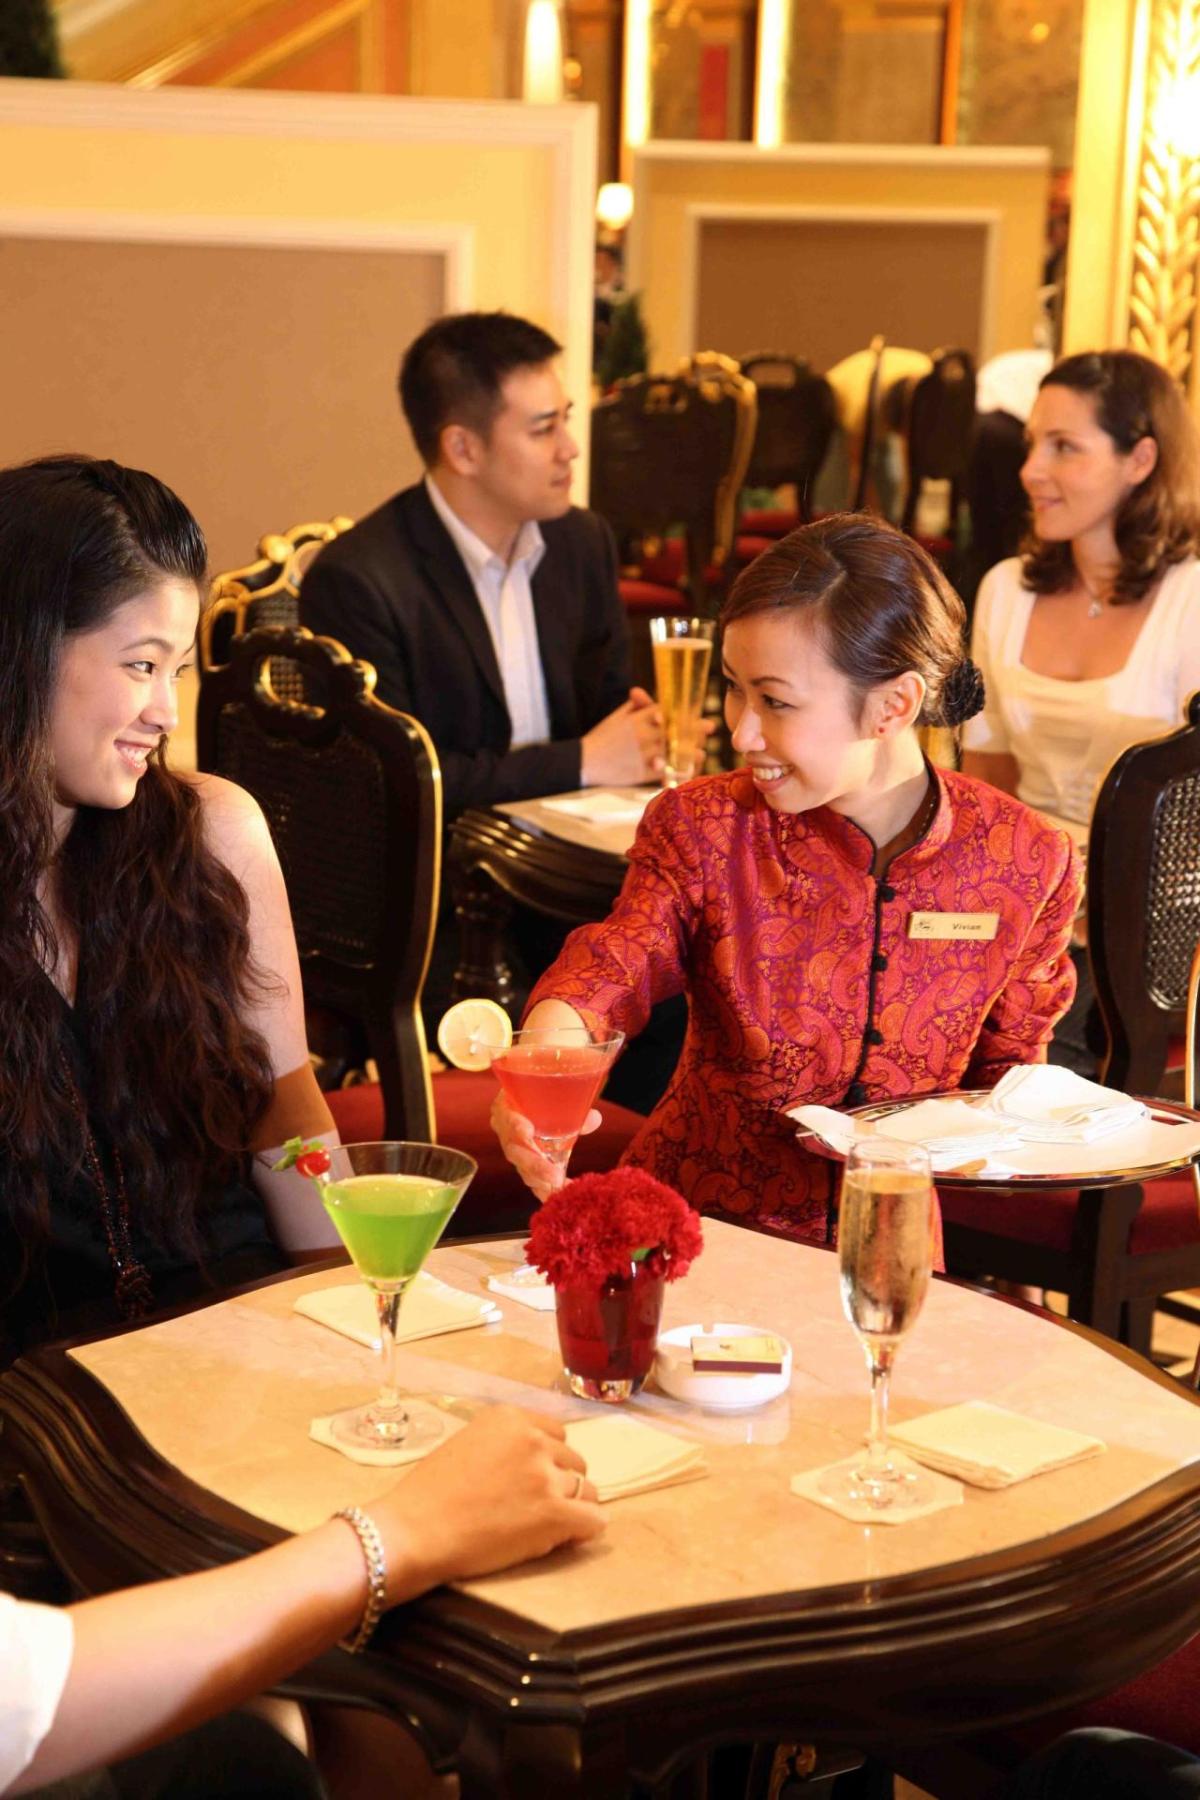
885, 1253
885, 1243
682, 654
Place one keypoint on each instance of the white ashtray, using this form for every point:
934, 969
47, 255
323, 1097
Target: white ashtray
675, 1375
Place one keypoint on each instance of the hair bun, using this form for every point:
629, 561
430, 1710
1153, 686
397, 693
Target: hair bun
963, 693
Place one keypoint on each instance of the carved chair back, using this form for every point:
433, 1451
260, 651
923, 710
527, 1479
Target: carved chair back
941, 419
670, 451
352, 792
797, 413
265, 592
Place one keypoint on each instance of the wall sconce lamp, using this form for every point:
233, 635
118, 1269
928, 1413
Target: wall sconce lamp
614, 205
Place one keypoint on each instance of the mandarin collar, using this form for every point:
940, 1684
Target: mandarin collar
849, 842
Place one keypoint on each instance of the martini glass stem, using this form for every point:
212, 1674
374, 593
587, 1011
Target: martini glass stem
556, 1149
390, 1416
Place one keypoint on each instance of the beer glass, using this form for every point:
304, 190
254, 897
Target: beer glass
682, 654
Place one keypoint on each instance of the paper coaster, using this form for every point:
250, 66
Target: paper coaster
321, 1433
946, 1493
529, 1287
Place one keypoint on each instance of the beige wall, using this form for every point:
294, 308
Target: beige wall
259, 384
679, 186
217, 285
500, 190
822, 288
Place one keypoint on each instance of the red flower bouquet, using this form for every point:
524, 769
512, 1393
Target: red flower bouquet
596, 1225
608, 1243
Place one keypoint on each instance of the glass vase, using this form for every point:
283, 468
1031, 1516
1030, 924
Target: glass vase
608, 1332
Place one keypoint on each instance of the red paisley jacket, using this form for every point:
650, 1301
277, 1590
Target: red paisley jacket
803, 983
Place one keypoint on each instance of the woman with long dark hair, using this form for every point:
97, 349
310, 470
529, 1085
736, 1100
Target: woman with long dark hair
152, 1048
1090, 641
848, 923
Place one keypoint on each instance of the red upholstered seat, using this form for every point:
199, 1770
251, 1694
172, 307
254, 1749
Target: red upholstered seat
745, 549
769, 521
1167, 1220
667, 566
1163, 1702
651, 597
497, 1199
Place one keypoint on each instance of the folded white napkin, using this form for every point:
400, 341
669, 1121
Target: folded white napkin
529, 1287
989, 1446
950, 1129
1056, 1106
428, 1309
860, 1512
625, 1457
601, 807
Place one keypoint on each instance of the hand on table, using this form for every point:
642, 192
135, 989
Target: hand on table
506, 1489
515, 1132
625, 748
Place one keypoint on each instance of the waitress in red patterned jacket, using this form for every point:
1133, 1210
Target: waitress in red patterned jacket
848, 923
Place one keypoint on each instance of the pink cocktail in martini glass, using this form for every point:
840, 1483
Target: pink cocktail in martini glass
552, 1075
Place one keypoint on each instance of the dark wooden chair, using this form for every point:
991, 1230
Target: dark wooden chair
265, 592
352, 792
669, 452
1114, 1254
940, 424
797, 414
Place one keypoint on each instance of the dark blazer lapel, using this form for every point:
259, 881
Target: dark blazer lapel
553, 595
447, 572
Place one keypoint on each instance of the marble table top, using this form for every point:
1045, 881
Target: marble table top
226, 1393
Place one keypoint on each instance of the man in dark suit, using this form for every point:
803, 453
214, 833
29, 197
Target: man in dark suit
486, 601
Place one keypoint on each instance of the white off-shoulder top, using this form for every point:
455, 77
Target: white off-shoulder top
1065, 735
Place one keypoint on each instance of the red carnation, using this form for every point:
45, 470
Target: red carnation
595, 1226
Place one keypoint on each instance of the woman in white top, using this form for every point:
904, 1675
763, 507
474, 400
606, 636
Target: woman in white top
1090, 641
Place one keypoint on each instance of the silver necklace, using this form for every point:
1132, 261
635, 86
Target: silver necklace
1096, 605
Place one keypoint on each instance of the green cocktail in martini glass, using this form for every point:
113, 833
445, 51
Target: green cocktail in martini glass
391, 1203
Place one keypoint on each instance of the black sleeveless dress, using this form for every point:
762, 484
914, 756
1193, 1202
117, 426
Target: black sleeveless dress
68, 1288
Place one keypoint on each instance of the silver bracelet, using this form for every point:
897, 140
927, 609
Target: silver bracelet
367, 1533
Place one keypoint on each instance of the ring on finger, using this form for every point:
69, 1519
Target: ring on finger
578, 1488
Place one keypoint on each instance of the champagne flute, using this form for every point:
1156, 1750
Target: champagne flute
391, 1203
885, 1251
682, 653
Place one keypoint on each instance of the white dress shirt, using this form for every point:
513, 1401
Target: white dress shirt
36, 1644
505, 597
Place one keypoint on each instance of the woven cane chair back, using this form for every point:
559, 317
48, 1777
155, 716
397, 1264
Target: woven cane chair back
1144, 901
352, 793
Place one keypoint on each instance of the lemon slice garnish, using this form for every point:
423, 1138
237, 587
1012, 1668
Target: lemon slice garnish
473, 1032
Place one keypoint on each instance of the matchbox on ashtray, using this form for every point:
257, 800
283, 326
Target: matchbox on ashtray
717, 1355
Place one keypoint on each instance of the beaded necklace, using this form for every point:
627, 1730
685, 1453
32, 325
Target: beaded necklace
132, 1285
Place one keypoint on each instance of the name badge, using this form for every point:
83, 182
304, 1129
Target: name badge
953, 925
